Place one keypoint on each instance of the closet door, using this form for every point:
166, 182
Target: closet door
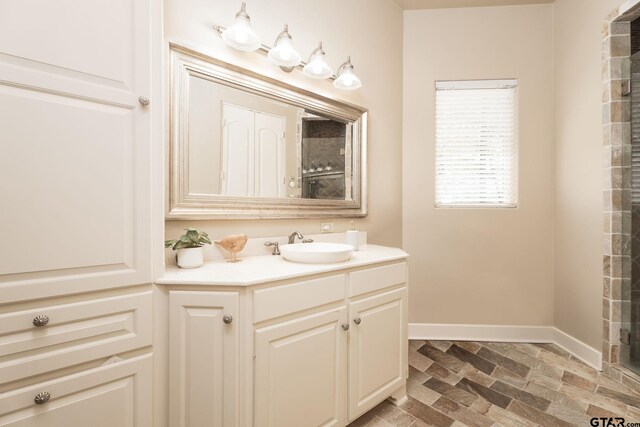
270, 155
75, 138
238, 151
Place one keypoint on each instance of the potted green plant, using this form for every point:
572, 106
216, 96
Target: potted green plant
189, 247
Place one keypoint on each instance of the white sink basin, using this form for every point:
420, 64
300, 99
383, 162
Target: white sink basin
317, 253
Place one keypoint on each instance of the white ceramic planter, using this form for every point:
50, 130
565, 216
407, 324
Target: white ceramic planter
190, 257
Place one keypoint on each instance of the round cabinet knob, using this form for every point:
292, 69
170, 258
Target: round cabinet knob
42, 398
357, 320
345, 326
144, 101
40, 321
227, 319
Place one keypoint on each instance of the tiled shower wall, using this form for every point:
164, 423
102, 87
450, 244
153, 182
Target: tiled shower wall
322, 141
323, 144
617, 262
631, 293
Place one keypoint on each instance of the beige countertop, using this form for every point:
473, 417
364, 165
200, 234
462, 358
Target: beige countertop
254, 270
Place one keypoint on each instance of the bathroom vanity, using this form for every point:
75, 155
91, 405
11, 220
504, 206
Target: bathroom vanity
267, 342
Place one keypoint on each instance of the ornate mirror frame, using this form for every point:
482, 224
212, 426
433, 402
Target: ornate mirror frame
181, 204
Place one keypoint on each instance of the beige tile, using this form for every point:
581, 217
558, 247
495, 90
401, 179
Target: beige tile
498, 347
426, 413
414, 345
368, 419
443, 346
630, 383
567, 414
472, 347
538, 378
509, 377
577, 381
620, 46
576, 405
419, 361
536, 364
633, 414
462, 414
475, 375
591, 398
418, 375
529, 349
422, 393
569, 365
507, 419
459, 397
393, 415
535, 415
620, 28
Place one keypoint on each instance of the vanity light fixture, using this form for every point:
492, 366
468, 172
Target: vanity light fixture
240, 35
317, 67
347, 79
283, 53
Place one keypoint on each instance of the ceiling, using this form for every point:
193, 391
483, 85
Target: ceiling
442, 4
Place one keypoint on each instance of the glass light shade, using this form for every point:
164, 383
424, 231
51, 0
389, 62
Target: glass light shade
283, 53
317, 68
240, 35
347, 79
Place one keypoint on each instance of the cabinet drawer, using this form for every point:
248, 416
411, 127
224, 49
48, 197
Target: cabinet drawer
286, 299
75, 333
372, 279
118, 394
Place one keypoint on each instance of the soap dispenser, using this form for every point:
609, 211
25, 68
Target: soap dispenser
353, 237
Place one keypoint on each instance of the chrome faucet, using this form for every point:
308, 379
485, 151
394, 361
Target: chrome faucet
292, 237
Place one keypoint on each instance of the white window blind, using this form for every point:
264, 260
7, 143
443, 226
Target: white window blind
476, 143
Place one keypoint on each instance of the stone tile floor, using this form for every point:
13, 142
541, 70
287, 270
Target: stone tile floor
502, 384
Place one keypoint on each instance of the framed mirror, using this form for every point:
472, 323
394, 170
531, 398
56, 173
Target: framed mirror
243, 145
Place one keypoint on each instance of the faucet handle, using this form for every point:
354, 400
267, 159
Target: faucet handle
307, 241
276, 247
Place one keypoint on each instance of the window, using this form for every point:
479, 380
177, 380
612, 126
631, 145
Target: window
476, 162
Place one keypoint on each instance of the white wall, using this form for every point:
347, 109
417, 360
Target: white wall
368, 30
578, 204
479, 266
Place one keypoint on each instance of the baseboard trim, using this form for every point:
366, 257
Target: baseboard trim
507, 333
582, 351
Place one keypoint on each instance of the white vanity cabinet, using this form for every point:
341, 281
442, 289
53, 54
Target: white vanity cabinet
203, 358
117, 394
81, 101
377, 349
300, 371
304, 345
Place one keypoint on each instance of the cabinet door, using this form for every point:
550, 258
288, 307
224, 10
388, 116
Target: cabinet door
300, 376
203, 359
114, 395
377, 349
74, 169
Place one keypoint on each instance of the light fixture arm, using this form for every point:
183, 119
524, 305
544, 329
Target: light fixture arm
345, 64
316, 50
265, 48
243, 12
283, 34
